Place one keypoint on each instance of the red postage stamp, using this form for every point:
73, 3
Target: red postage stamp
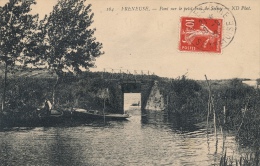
200, 34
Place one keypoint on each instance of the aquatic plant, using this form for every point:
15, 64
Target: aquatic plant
248, 160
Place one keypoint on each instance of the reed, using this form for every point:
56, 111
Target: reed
248, 160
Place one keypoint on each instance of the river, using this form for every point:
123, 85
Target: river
148, 138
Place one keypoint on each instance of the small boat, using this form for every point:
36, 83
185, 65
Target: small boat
95, 114
135, 104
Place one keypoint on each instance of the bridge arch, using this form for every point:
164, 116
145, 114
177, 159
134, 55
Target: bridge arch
151, 97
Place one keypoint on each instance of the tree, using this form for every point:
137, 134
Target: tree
68, 39
16, 35
257, 82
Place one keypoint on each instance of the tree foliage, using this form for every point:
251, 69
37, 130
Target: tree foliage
68, 39
17, 30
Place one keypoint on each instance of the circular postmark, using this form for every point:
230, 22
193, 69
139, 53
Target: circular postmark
219, 11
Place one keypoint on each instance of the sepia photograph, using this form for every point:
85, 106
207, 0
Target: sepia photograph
129, 82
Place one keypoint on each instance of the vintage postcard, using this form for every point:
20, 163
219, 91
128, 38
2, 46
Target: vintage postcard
130, 82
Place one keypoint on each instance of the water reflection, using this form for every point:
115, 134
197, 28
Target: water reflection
174, 121
147, 138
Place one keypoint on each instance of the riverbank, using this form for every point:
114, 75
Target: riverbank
236, 105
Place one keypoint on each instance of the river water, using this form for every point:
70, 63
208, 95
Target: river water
148, 138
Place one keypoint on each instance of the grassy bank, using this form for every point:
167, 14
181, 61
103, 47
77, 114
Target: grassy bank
27, 91
236, 105
237, 108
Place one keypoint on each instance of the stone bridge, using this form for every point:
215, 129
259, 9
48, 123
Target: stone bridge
151, 94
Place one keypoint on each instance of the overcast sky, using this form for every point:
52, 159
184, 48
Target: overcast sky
148, 40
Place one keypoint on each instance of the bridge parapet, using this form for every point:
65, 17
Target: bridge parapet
127, 74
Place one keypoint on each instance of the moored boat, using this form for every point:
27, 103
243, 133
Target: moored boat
95, 114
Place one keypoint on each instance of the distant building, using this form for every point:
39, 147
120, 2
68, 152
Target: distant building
252, 83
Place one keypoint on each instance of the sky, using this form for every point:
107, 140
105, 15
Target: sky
148, 40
